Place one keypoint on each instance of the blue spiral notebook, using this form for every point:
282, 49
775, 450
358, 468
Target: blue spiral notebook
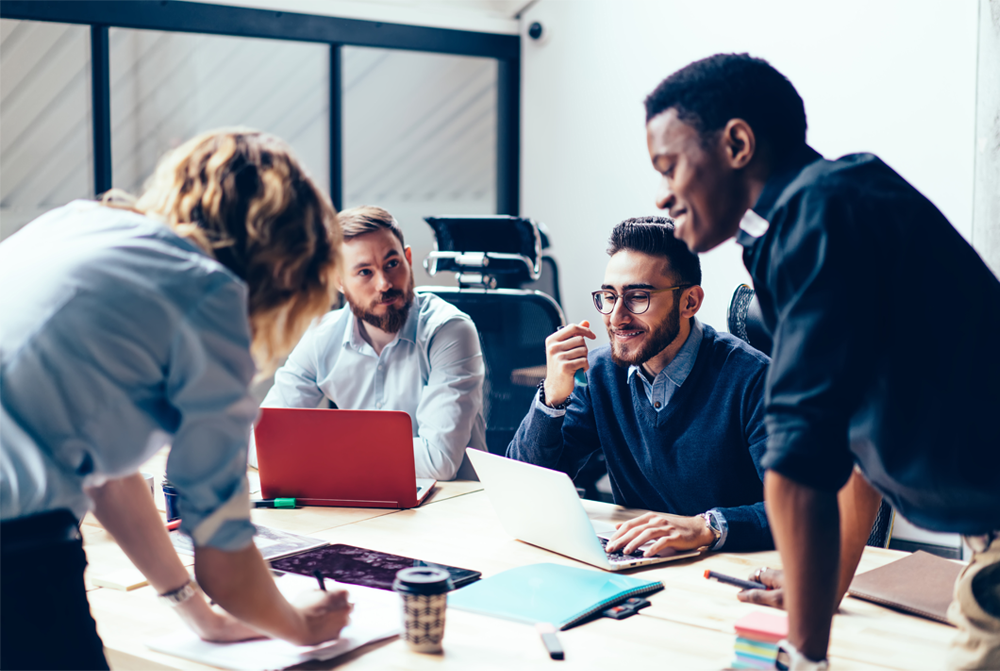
562, 595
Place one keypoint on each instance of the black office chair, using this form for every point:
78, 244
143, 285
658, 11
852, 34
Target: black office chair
512, 326
548, 282
746, 323
492, 257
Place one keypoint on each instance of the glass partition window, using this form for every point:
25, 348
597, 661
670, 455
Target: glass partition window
168, 87
46, 128
419, 138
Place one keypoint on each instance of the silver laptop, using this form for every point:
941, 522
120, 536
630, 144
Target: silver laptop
541, 506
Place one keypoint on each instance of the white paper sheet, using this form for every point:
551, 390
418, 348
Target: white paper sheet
376, 616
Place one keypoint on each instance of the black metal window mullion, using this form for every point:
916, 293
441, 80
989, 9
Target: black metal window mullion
508, 136
100, 77
336, 126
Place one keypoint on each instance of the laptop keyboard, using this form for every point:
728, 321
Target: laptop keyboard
619, 557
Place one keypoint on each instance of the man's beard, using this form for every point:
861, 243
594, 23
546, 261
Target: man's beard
394, 318
656, 340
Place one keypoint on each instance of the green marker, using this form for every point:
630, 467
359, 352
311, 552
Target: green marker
273, 503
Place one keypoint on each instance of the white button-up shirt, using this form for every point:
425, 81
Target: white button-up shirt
433, 371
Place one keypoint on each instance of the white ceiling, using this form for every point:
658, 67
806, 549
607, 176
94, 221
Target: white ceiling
495, 16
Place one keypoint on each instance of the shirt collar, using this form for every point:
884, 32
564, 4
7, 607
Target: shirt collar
352, 334
680, 367
755, 222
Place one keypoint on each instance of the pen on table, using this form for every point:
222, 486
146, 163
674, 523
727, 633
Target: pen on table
173, 524
551, 641
320, 579
729, 580
273, 503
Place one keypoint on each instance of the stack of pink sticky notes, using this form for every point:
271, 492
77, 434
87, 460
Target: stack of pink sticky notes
757, 637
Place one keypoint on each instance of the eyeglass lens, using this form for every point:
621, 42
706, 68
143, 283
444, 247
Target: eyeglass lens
636, 302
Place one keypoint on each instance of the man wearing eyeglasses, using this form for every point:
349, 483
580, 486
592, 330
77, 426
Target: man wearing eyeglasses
676, 407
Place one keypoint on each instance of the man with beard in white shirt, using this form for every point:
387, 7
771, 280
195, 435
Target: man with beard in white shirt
392, 349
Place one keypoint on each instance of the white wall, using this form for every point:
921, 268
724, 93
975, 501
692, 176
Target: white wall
986, 215
892, 77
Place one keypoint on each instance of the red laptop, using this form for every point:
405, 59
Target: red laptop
352, 458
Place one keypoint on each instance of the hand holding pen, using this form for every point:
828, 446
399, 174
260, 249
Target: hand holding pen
774, 593
764, 587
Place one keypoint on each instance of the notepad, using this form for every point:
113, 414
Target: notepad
920, 584
562, 595
375, 616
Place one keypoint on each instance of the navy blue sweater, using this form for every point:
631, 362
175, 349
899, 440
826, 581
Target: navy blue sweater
702, 451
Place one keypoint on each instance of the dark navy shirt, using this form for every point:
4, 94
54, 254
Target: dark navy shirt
702, 451
884, 321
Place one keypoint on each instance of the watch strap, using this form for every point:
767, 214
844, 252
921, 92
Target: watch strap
178, 596
713, 525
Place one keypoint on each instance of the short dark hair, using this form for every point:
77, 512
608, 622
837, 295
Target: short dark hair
710, 92
655, 236
368, 219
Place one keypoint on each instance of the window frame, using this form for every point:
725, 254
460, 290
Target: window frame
203, 18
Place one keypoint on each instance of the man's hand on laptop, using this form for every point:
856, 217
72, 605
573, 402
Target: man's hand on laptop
667, 532
565, 353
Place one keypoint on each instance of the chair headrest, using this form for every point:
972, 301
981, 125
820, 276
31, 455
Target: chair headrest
507, 249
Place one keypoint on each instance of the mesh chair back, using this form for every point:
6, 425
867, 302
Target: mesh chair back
882, 529
513, 325
745, 321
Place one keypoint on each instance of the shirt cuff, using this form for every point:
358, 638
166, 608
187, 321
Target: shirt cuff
723, 525
551, 412
228, 527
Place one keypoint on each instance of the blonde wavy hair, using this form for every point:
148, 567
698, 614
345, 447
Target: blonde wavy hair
242, 196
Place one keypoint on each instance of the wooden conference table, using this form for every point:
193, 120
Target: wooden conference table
688, 626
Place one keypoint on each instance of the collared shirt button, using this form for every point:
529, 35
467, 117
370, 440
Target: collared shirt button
656, 405
380, 366
379, 405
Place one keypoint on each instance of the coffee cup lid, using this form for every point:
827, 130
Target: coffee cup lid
422, 580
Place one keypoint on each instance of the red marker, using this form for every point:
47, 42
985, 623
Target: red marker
173, 524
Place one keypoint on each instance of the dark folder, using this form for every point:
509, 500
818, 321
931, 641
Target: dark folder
921, 584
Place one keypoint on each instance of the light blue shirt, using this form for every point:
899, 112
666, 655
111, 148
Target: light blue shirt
118, 338
670, 379
433, 371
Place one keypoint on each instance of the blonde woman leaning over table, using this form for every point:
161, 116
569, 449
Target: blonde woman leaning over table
140, 322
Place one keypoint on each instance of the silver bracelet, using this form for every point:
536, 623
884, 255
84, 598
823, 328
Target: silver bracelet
178, 596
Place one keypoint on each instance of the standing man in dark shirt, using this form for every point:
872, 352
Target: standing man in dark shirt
884, 322
676, 407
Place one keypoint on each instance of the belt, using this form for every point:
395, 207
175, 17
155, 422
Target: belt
37, 531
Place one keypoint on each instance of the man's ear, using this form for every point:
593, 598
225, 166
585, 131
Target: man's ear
691, 301
739, 143
408, 253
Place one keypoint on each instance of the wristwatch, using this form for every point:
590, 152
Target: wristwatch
178, 596
713, 525
541, 397
790, 659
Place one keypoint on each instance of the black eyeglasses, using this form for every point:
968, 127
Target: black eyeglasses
636, 301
